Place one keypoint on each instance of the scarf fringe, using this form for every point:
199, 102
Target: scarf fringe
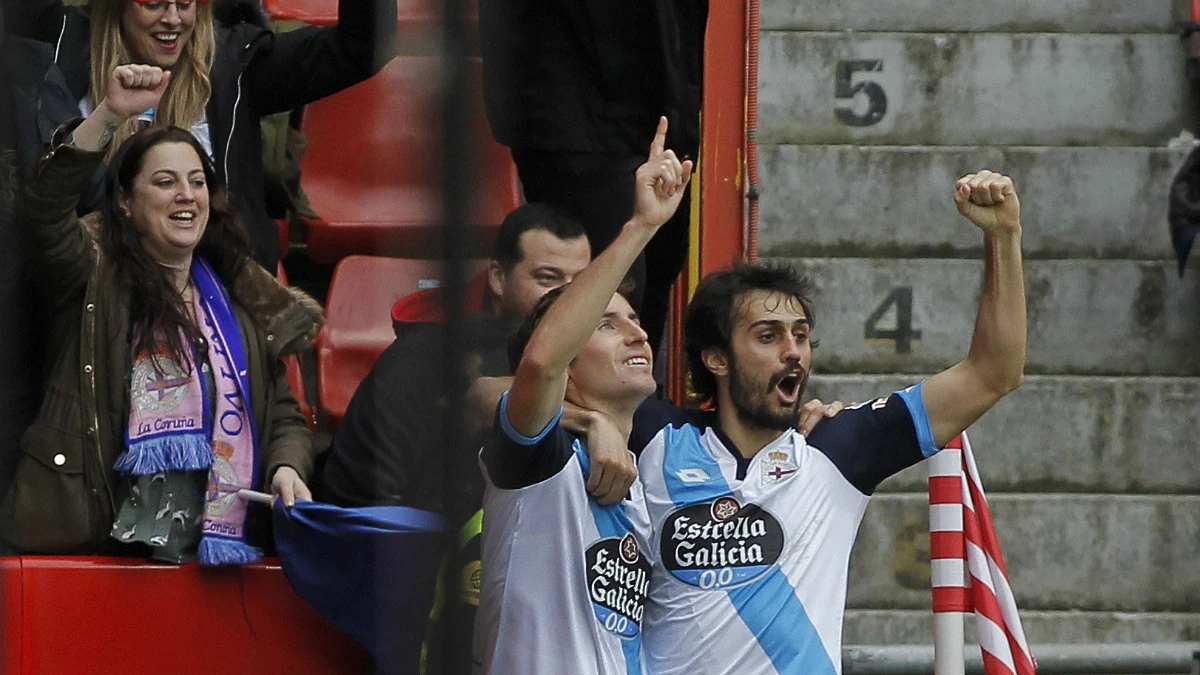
216, 551
191, 452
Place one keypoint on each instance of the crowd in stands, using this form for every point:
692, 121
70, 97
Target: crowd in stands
148, 335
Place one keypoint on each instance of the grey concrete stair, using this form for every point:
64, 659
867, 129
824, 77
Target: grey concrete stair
895, 202
868, 113
972, 89
1068, 434
1085, 316
1074, 16
911, 626
1064, 551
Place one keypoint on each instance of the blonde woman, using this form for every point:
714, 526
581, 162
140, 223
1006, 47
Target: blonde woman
223, 78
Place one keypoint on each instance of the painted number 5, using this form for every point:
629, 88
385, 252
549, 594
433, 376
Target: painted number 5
851, 82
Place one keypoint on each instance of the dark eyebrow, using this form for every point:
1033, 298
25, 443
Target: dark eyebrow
776, 323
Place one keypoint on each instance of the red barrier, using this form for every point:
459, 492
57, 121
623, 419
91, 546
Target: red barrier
119, 615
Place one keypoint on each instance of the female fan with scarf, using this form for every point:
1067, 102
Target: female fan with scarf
167, 394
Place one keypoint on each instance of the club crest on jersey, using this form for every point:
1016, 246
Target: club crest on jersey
618, 577
720, 544
777, 466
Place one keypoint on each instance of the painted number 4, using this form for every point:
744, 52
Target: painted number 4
904, 333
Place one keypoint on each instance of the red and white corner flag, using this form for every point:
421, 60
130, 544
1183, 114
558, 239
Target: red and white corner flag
968, 569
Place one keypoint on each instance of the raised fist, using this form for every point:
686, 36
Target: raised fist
659, 183
134, 89
989, 200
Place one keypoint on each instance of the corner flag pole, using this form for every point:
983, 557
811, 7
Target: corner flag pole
949, 643
948, 552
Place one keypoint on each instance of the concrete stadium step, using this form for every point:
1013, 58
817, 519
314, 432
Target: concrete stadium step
1085, 317
913, 627
891, 202
1067, 434
1073, 16
971, 89
1078, 552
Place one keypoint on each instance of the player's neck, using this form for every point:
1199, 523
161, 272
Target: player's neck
745, 434
620, 413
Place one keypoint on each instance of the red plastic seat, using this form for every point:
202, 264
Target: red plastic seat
358, 324
415, 19
119, 615
373, 168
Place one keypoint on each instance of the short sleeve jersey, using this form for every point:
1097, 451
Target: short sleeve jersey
564, 579
751, 556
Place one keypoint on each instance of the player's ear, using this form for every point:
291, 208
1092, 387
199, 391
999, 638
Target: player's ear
715, 361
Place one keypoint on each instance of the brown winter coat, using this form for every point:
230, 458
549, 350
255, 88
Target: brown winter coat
63, 497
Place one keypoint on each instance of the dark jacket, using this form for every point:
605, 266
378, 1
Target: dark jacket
26, 68
389, 448
593, 75
255, 73
63, 498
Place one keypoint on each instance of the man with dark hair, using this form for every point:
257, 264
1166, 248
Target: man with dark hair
389, 448
388, 444
753, 521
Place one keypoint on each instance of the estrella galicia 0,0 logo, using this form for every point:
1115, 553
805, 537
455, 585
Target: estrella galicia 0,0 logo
720, 544
618, 576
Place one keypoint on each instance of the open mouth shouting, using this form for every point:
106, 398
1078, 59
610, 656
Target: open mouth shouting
789, 384
167, 41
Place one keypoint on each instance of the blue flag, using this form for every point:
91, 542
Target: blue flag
370, 571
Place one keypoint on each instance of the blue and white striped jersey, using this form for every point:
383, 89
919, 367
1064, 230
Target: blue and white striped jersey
564, 580
751, 556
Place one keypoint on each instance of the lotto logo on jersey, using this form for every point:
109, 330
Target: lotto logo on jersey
720, 544
618, 576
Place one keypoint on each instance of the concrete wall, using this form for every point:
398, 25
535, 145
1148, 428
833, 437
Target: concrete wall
868, 113
1085, 316
1069, 434
1083, 552
1010, 16
973, 89
882, 201
912, 626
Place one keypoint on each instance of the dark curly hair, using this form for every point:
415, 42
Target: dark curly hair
713, 311
155, 306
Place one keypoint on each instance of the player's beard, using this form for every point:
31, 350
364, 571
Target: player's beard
754, 400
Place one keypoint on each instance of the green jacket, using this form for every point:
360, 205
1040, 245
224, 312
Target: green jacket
63, 497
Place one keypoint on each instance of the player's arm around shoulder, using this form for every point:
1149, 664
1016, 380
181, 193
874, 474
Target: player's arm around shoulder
995, 364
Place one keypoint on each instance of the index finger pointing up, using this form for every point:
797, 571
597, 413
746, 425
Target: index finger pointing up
660, 138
